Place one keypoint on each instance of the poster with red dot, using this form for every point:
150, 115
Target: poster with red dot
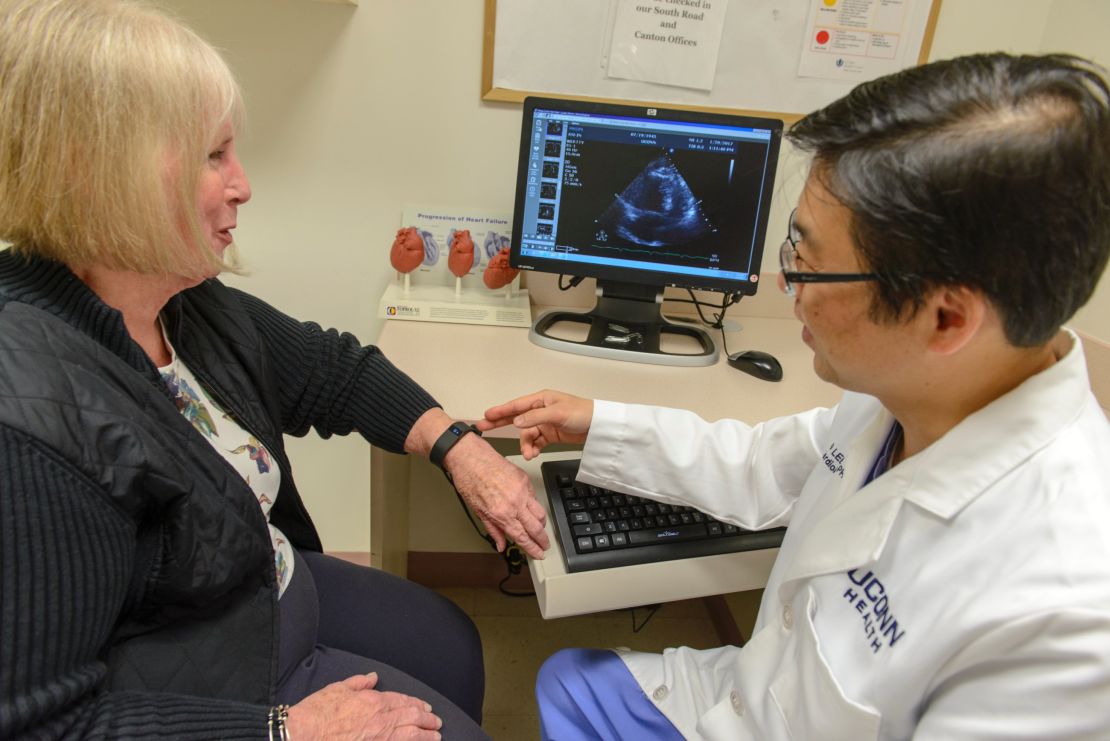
857, 39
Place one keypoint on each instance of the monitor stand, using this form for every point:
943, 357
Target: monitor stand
625, 324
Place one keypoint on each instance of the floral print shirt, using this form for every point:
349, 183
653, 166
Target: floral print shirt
238, 447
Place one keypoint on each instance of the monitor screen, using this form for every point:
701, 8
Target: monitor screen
644, 195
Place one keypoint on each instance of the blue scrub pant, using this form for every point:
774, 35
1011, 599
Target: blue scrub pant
590, 694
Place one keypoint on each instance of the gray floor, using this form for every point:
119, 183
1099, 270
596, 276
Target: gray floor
516, 640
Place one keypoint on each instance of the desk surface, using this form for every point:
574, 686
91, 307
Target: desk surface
470, 368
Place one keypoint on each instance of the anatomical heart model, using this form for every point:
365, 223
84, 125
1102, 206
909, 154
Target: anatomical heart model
440, 255
407, 252
498, 273
461, 258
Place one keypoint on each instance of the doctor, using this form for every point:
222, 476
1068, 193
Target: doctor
946, 568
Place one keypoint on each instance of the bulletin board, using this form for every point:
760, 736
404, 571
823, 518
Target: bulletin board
559, 49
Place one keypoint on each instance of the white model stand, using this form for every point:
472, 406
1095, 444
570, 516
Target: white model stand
457, 303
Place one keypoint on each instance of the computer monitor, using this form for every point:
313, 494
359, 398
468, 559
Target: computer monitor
641, 198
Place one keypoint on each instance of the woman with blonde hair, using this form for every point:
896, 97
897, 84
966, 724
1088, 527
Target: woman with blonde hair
159, 574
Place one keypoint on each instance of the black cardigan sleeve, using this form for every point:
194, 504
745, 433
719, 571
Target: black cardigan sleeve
66, 557
330, 382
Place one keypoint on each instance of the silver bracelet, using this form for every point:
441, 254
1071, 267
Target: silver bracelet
275, 721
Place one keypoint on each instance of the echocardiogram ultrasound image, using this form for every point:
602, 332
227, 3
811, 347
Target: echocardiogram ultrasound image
657, 208
551, 170
549, 190
554, 128
547, 211
630, 201
552, 149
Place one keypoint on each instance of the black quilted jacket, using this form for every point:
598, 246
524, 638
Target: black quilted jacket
136, 574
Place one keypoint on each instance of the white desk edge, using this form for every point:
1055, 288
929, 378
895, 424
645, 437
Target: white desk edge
561, 594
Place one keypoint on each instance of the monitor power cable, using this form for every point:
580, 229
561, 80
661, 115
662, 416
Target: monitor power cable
574, 281
718, 323
652, 609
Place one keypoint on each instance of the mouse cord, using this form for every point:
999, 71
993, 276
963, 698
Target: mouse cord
718, 322
724, 340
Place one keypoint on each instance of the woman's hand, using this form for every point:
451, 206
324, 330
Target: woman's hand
544, 418
354, 709
499, 493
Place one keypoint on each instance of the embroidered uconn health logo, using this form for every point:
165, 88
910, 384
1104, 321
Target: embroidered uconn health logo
834, 460
868, 596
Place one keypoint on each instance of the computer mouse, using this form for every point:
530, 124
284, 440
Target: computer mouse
757, 363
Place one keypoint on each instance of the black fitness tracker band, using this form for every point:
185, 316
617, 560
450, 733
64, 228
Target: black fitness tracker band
447, 440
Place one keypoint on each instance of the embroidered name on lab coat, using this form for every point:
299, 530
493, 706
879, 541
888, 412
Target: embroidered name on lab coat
834, 460
868, 596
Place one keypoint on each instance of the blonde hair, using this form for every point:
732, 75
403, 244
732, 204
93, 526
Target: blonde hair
108, 111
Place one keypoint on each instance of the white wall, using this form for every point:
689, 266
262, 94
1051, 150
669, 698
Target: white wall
355, 111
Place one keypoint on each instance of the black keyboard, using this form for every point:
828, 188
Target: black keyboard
602, 529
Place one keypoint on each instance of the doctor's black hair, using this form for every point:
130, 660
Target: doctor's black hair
990, 171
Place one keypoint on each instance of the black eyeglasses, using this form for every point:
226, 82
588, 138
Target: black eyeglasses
788, 261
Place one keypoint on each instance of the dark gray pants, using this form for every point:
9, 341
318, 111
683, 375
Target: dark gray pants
339, 619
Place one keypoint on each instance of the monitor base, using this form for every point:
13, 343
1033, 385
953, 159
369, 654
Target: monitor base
627, 326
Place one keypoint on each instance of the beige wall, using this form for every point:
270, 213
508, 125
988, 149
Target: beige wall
1079, 27
355, 111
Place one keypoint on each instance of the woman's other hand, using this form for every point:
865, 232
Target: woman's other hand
354, 709
544, 418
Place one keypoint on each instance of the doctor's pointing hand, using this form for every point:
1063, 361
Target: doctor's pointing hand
544, 418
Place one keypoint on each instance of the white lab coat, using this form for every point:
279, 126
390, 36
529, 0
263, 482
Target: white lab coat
963, 594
